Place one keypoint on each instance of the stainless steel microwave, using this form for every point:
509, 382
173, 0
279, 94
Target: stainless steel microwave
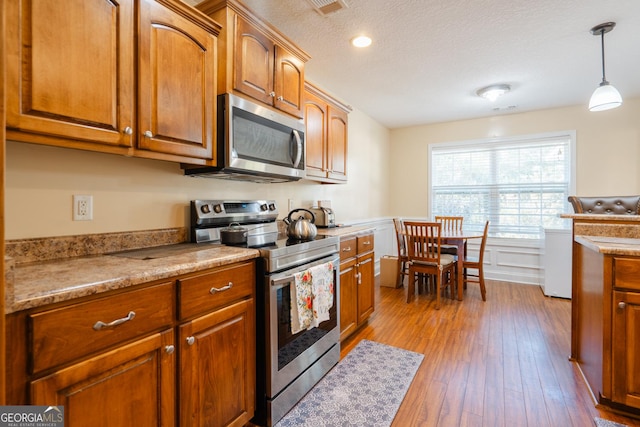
255, 144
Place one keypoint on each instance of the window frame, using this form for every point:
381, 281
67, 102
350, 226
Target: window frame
524, 139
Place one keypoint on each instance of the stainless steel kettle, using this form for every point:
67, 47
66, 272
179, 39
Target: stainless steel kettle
301, 228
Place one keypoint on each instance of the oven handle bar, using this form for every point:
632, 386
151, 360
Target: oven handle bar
280, 281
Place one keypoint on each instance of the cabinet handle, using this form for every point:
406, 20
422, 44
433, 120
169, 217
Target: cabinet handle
368, 242
101, 325
280, 98
128, 130
191, 340
359, 278
224, 288
622, 305
148, 134
272, 94
169, 349
347, 249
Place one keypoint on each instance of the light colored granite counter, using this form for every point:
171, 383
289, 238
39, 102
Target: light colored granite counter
31, 284
593, 217
344, 230
611, 245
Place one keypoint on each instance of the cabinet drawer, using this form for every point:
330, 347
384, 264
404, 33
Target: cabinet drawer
365, 243
626, 273
348, 247
64, 334
202, 293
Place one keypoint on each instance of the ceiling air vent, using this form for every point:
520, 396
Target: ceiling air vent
325, 7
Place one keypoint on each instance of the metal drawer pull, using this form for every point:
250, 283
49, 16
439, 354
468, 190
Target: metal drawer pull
148, 134
169, 349
622, 305
191, 340
101, 325
224, 288
347, 249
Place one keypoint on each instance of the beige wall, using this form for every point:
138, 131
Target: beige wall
607, 149
139, 194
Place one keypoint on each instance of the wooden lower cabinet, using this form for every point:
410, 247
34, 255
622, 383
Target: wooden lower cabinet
178, 352
357, 284
217, 369
131, 385
626, 349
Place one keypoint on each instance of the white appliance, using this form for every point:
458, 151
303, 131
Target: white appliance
557, 262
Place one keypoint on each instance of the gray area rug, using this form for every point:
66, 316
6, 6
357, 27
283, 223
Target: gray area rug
606, 423
365, 388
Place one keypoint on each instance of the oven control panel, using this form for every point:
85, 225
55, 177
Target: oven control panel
211, 213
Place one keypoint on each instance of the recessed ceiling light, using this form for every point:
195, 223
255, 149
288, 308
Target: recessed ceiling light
493, 92
361, 41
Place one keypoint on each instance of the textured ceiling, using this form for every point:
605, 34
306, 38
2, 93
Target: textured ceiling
429, 57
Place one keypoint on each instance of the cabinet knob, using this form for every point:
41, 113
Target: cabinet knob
191, 340
280, 98
622, 305
169, 349
272, 94
128, 130
148, 134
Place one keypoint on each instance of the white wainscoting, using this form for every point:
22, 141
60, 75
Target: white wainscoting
510, 260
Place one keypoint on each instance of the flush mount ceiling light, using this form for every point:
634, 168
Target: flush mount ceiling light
605, 97
361, 41
493, 92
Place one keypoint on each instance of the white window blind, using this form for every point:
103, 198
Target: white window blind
521, 185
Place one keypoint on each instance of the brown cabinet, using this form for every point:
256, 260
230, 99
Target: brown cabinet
326, 121
606, 325
220, 343
357, 285
73, 72
180, 352
256, 59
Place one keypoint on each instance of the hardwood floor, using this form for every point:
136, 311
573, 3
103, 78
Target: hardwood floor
503, 362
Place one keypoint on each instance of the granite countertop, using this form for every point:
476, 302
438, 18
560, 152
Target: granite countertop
601, 217
344, 230
31, 284
611, 245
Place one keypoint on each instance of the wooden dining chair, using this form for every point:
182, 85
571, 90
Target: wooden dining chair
403, 261
425, 257
477, 264
450, 223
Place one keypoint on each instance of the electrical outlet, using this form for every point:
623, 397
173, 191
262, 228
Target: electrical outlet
291, 204
82, 207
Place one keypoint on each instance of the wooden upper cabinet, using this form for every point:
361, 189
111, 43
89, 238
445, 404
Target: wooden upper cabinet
326, 123
72, 82
177, 83
256, 59
70, 69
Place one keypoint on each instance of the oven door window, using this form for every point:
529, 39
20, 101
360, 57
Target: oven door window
292, 345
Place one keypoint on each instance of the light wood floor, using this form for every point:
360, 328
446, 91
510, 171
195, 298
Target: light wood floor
503, 362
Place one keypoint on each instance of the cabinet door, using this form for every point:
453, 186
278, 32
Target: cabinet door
337, 134
217, 367
177, 84
254, 56
366, 287
315, 116
70, 71
133, 385
288, 82
626, 348
348, 298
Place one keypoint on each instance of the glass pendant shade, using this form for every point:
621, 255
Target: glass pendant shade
605, 97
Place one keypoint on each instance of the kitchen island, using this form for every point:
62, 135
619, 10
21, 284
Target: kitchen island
605, 338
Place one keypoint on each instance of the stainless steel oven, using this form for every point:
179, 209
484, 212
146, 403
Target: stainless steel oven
293, 363
288, 364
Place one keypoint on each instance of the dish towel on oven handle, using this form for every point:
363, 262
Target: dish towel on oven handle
311, 297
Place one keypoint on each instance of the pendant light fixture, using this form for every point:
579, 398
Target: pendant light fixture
605, 97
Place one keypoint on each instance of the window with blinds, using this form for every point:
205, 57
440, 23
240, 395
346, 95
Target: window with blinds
520, 185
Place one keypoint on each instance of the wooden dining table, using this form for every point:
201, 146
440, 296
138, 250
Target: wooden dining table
459, 238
